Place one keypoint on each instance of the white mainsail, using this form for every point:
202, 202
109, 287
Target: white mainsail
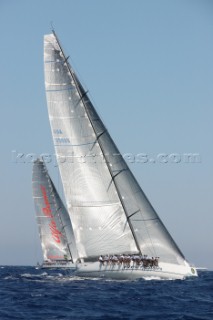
109, 211
55, 229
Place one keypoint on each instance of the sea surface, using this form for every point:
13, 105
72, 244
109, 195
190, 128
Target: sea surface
30, 293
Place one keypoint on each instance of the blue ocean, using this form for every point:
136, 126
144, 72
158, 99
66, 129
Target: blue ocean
30, 293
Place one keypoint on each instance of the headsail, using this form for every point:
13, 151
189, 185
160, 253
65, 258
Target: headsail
109, 210
54, 224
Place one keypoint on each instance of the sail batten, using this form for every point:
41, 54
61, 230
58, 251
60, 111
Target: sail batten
106, 179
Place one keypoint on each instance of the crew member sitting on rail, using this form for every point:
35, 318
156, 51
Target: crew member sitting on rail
101, 260
121, 259
106, 259
137, 260
114, 260
156, 261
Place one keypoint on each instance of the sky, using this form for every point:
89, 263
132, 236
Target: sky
149, 70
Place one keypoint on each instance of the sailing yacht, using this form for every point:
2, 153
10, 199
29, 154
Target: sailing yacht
55, 229
110, 213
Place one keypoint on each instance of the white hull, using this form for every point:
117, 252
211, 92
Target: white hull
164, 271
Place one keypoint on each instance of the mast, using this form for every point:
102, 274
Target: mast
82, 95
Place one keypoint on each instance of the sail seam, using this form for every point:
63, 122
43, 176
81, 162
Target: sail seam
146, 219
65, 89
